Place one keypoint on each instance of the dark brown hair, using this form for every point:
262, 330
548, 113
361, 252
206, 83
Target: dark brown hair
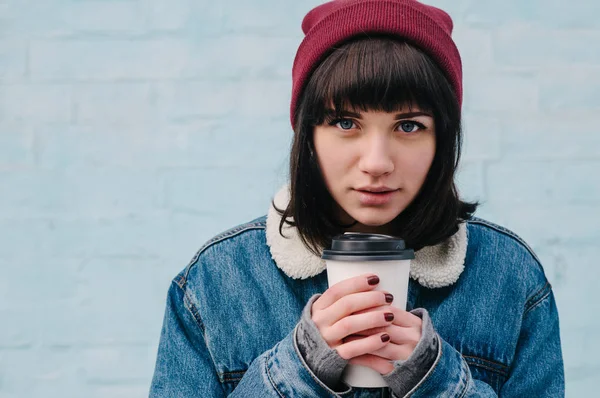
377, 73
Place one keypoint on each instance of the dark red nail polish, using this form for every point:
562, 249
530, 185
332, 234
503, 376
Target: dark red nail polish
385, 338
389, 316
389, 298
373, 280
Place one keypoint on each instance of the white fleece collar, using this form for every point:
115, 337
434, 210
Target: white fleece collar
433, 266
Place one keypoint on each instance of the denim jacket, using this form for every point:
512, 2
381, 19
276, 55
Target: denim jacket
231, 315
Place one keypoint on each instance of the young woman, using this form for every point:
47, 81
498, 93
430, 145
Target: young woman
376, 112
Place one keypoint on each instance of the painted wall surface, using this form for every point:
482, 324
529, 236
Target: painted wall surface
131, 131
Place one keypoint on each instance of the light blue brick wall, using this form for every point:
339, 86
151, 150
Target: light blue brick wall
132, 130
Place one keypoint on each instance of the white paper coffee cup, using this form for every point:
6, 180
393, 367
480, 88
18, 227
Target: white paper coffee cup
354, 254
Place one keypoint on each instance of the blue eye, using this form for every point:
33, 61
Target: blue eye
410, 127
345, 124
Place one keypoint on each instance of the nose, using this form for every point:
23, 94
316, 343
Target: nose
376, 158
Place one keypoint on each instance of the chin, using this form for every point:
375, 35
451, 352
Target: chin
373, 217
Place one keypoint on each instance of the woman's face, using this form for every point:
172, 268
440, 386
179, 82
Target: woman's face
374, 163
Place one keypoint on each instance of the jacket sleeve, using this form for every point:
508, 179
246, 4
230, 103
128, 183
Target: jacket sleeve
184, 367
536, 371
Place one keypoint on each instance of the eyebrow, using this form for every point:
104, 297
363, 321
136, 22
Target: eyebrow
355, 115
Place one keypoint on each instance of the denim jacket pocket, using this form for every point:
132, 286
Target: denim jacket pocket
490, 372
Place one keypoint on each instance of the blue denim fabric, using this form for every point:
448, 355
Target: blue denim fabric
231, 314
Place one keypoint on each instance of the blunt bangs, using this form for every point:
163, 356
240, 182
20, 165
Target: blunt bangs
377, 74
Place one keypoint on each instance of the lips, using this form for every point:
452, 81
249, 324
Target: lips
369, 191
381, 189
376, 198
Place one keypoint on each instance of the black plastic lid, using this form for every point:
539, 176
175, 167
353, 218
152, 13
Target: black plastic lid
357, 246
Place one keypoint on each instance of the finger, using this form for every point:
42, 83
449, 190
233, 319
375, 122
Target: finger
350, 304
372, 309
352, 337
395, 351
405, 318
357, 284
370, 332
402, 335
376, 363
362, 346
391, 351
355, 323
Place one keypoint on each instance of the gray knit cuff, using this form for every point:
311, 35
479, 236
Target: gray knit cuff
322, 360
409, 373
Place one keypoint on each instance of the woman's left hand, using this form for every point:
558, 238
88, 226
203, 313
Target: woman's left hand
405, 333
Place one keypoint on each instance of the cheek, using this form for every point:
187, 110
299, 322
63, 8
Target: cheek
417, 161
332, 160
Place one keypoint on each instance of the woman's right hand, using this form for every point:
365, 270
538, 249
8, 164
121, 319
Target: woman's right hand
349, 307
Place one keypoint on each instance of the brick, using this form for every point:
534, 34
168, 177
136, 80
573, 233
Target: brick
108, 59
592, 349
570, 89
253, 17
153, 236
544, 223
117, 237
16, 147
20, 235
201, 18
572, 268
84, 324
535, 47
470, 181
13, 60
481, 137
246, 56
498, 92
8, 10
581, 385
91, 146
494, 14
98, 16
35, 103
184, 188
558, 14
113, 104
77, 193
553, 182
475, 46
555, 14
41, 373
182, 102
97, 273
142, 147
132, 390
551, 135
194, 237
74, 18
573, 347
29, 286
117, 365
16, 331
211, 146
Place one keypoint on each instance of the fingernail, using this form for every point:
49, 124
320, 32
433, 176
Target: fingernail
373, 280
389, 316
389, 298
385, 338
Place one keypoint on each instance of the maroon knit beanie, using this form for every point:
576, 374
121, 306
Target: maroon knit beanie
329, 24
